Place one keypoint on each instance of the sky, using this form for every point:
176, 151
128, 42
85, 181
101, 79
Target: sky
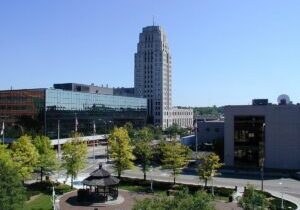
224, 52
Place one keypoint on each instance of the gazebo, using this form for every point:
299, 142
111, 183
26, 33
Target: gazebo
101, 186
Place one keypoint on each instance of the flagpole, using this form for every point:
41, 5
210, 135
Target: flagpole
94, 132
58, 147
3, 128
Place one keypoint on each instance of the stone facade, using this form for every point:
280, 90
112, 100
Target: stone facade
153, 76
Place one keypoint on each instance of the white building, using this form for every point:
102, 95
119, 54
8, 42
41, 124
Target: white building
153, 76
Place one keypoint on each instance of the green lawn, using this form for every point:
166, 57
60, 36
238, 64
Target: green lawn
42, 202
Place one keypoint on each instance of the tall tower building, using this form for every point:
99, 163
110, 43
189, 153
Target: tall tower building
153, 75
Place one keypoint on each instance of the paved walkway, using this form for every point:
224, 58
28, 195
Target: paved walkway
68, 202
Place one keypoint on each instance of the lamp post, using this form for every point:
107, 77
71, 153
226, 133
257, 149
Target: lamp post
151, 181
94, 133
107, 156
196, 139
58, 147
262, 160
280, 183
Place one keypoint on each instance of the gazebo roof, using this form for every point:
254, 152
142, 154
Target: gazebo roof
110, 181
100, 177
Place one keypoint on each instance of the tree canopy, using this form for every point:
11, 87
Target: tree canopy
183, 200
175, 157
120, 150
25, 156
47, 156
253, 199
142, 148
74, 156
209, 166
12, 192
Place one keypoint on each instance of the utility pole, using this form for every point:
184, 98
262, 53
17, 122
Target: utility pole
94, 133
58, 147
262, 162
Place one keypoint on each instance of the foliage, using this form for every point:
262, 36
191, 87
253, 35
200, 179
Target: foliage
25, 156
174, 130
208, 111
12, 192
218, 148
252, 200
120, 150
130, 130
41, 202
183, 200
157, 131
74, 156
143, 150
47, 156
175, 157
209, 166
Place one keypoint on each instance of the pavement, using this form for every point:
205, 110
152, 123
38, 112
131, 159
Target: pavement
289, 188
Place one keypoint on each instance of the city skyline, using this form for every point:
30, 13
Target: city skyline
222, 53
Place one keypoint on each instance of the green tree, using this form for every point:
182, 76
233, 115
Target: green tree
143, 150
12, 192
47, 156
175, 157
183, 200
120, 150
74, 156
25, 156
130, 130
209, 166
253, 199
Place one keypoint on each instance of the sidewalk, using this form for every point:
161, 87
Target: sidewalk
286, 197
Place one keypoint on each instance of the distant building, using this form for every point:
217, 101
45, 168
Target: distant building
263, 130
209, 131
84, 88
124, 91
41, 110
182, 117
153, 77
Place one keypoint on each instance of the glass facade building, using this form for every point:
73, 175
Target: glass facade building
50, 108
248, 140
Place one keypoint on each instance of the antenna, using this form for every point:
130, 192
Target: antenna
153, 20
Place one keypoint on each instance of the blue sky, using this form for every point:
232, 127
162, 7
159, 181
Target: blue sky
224, 52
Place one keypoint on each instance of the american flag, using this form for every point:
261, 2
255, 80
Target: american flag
94, 127
76, 124
2, 130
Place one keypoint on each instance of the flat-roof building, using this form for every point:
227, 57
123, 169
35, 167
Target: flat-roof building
41, 110
262, 131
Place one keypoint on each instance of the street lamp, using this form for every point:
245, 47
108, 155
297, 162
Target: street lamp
94, 133
151, 181
262, 160
280, 183
58, 146
196, 140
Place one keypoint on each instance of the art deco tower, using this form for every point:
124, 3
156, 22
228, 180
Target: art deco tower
152, 74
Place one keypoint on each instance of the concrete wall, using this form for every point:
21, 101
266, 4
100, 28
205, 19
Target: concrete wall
209, 131
282, 134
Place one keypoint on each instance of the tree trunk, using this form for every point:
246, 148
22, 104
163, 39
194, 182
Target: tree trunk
119, 174
72, 181
144, 171
41, 173
174, 174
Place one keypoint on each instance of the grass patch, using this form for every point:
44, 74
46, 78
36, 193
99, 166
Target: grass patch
41, 202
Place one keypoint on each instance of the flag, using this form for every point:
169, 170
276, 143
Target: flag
94, 127
2, 130
76, 124
195, 126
